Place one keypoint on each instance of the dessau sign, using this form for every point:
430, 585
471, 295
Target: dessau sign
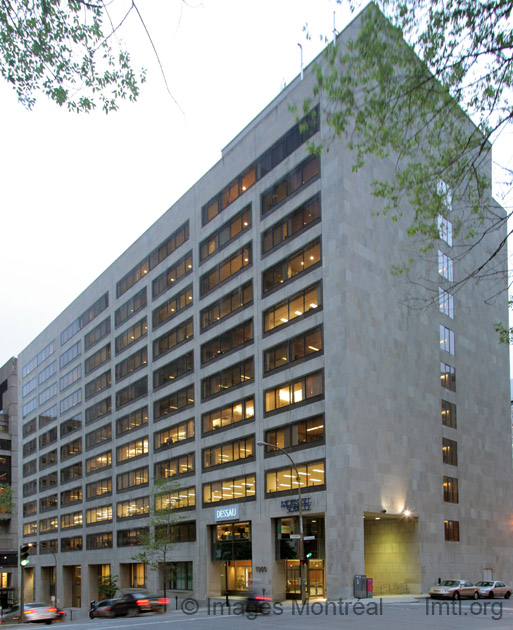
227, 513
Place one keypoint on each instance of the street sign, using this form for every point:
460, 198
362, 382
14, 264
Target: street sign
295, 536
308, 537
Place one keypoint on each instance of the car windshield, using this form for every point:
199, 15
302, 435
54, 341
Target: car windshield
484, 583
449, 583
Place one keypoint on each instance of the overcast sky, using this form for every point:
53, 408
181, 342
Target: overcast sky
77, 190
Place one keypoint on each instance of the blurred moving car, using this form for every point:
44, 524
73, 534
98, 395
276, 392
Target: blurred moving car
493, 588
135, 603
102, 608
35, 612
454, 589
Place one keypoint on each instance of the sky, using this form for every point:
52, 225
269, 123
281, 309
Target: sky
77, 190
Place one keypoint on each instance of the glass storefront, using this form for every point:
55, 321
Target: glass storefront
231, 545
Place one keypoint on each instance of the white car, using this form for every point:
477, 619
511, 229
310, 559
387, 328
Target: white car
35, 612
454, 589
493, 588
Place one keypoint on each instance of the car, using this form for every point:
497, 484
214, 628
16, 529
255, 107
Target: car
35, 612
135, 603
494, 588
102, 608
454, 589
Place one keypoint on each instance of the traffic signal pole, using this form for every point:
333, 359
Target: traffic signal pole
23, 560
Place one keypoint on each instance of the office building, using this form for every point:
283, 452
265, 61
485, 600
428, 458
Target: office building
261, 307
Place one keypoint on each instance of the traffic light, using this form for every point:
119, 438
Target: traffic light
24, 555
309, 549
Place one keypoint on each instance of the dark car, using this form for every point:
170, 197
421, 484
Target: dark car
102, 608
131, 604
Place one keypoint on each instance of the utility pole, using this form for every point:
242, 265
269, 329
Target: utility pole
24, 561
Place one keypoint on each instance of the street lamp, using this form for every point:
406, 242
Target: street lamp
301, 537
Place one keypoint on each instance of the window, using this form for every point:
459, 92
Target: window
99, 462
294, 349
71, 354
445, 193
99, 410
47, 373
229, 453
71, 448
160, 253
230, 340
304, 174
97, 334
132, 450
29, 387
29, 447
228, 268
41, 356
304, 432
226, 233
176, 500
99, 384
294, 392
235, 489
132, 363
71, 544
132, 479
71, 401
74, 519
292, 225
136, 390
228, 415
445, 230
448, 414
170, 309
48, 459
175, 434
127, 310
447, 376
176, 466
446, 302
48, 546
299, 262
99, 488
445, 266
452, 531
48, 416
29, 427
99, 541
133, 508
29, 468
30, 529
183, 532
239, 374
48, 503
172, 275
71, 472
131, 336
446, 339
182, 365
180, 576
49, 437
71, 377
131, 537
100, 357
285, 480
29, 508
101, 514
87, 316
132, 421
232, 541
29, 407
450, 490
173, 403
68, 497
228, 304
172, 338
450, 452
298, 305
48, 525
281, 149
71, 425
98, 436
30, 488
47, 394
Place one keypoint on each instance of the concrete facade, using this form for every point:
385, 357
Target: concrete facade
381, 448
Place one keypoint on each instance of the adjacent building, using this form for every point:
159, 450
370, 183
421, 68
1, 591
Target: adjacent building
261, 307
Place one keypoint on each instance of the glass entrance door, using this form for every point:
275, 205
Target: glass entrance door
316, 578
293, 581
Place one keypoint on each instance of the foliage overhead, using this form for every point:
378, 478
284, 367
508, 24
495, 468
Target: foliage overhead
6, 499
62, 48
412, 101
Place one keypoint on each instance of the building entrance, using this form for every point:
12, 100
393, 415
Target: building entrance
237, 576
314, 579
392, 553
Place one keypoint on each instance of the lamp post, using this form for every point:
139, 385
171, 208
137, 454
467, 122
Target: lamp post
301, 537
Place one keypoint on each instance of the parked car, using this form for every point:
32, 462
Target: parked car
35, 612
454, 589
494, 588
135, 603
102, 608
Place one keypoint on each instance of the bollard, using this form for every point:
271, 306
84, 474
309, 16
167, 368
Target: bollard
176, 602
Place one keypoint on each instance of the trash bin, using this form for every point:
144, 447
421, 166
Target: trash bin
360, 586
370, 587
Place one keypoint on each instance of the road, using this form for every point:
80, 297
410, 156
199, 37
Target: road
364, 615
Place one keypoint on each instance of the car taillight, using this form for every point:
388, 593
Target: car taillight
264, 599
163, 600
29, 611
51, 610
143, 602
